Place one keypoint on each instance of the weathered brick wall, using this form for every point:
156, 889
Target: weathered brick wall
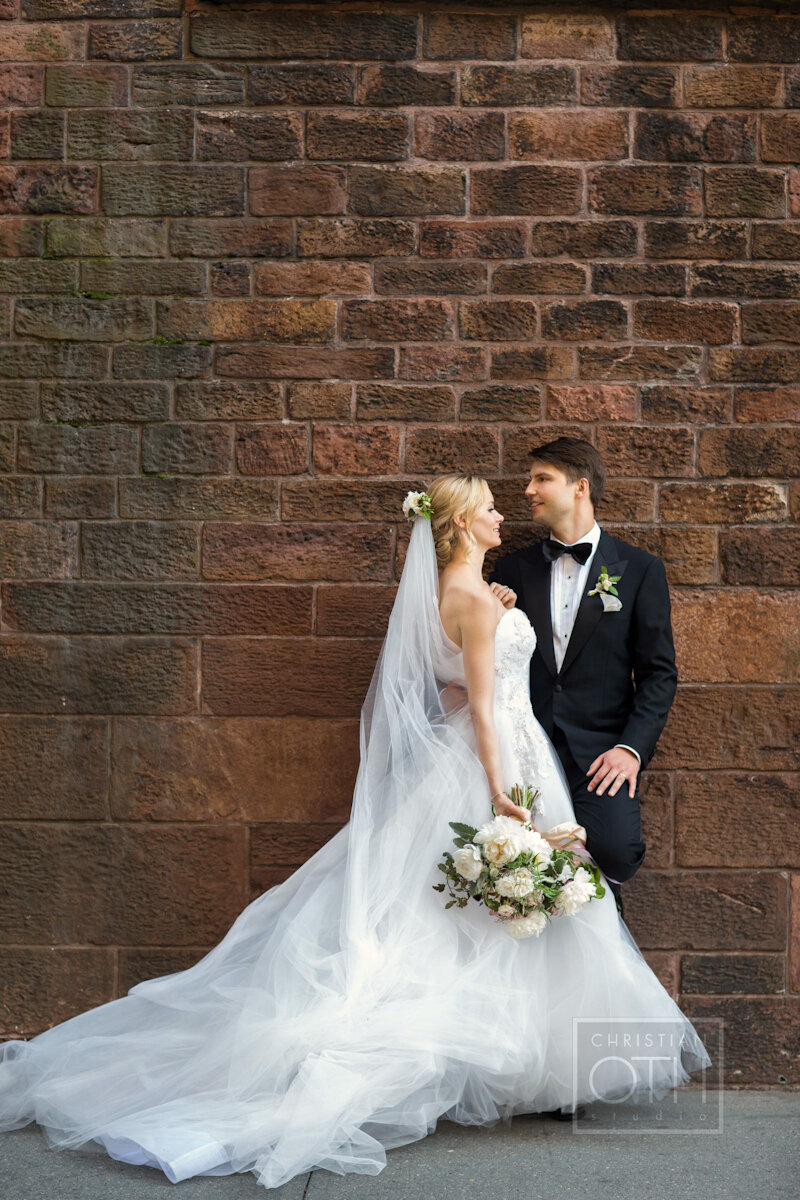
264, 269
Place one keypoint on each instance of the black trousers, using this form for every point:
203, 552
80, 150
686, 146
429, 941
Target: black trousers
613, 824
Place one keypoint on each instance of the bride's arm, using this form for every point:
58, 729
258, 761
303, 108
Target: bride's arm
478, 623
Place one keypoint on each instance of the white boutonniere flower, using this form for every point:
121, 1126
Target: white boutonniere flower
604, 588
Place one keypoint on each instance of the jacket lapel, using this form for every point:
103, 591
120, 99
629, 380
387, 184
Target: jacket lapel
591, 609
535, 572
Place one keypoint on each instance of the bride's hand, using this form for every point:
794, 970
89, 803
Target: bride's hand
506, 595
507, 808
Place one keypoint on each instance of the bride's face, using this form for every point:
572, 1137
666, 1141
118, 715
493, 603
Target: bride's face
485, 526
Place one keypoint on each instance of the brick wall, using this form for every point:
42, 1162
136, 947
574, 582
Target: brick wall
266, 268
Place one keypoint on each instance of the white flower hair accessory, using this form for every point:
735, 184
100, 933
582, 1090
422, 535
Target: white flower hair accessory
604, 588
418, 504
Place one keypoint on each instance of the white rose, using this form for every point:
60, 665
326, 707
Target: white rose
506, 910
515, 884
575, 894
411, 501
537, 845
468, 862
530, 926
502, 839
610, 603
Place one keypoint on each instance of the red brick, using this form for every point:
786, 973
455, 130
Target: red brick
533, 362
247, 320
639, 190
54, 768
637, 362
670, 37
311, 279
469, 35
584, 320
360, 450
744, 192
497, 320
371, 136
709, 820
45, 985
349, 237
96, 675
736, 635
472, 239
48, 189
38, 549
689, 555
443, 362
794, 935
643, 279
722, 974
518, 84
296, 191
695, 137
285, 677
520, 190
353, 610
500, 402
343, 500
121, 883
223, 400
767, 404
703, 910
257, 551
684, 320
447, 448
22, 85
566, 35
655, 796
748, 557
726, 85
690, 405
401, 83
753, 364
601, 402
437, 278
749, 451
304, 362
459, 137
558, 277
766, 322
197, 499
639, 450
713, 727
325, 401
721, 503
560, 134
272, 449
406, 191
388, 320
771, 1056
237, 768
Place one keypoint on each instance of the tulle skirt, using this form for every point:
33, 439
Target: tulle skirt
309, 1038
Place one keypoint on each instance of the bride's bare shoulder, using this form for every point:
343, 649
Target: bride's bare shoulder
465, 602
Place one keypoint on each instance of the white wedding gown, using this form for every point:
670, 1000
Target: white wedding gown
309, 1038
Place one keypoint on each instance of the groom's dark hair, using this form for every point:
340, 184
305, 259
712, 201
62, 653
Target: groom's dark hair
578, 460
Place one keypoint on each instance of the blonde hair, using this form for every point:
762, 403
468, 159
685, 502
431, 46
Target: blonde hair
452, 494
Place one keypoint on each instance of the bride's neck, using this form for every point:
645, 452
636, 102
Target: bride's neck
473, 563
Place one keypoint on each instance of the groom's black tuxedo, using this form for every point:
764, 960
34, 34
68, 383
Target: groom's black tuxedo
615, 686
618, 678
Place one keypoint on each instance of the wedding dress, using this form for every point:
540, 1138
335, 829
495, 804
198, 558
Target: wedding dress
346, 1010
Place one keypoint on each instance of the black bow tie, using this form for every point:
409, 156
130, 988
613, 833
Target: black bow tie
581, 551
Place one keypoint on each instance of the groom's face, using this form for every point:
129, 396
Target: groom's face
551, 495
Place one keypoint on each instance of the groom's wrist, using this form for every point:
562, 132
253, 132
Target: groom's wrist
622, 746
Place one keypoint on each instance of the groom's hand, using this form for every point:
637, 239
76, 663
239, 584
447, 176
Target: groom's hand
506, 595
612, 769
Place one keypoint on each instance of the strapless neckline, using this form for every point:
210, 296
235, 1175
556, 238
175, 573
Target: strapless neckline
455, 645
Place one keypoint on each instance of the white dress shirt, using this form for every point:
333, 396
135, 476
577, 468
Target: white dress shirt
568, 579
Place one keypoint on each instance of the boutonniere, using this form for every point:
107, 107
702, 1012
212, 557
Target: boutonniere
604, 588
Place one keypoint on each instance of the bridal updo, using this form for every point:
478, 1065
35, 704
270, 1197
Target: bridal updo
451, 495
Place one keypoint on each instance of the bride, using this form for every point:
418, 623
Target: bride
346, 1010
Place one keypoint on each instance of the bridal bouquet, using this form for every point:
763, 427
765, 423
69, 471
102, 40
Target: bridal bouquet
523, 877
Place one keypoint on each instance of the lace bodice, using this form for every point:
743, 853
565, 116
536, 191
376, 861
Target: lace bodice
523, 742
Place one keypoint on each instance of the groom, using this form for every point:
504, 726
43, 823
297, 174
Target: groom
603, 674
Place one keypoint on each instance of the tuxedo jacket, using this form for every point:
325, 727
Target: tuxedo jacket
618, 678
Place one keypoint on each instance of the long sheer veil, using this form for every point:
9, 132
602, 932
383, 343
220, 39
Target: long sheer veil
342, 1013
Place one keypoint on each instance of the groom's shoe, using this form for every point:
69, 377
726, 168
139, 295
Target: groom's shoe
558, 1115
